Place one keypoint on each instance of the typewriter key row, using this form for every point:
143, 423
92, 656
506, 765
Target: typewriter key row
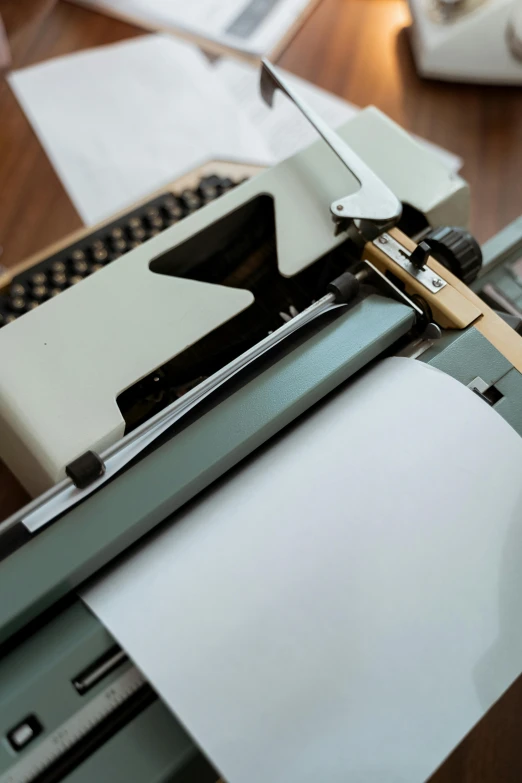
73, 264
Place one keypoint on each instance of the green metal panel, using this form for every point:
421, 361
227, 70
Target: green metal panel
466, 355
149, 750
510, 406
90, 535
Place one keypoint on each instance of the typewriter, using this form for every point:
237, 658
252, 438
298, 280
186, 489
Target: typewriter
148, 357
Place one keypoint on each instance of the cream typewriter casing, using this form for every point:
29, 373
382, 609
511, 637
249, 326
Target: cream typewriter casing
66, 362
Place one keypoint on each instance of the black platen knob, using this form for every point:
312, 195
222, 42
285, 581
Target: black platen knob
457, 250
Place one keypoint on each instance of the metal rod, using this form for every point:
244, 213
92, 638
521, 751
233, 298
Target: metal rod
398, 293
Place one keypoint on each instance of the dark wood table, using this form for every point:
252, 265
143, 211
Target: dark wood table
359, 50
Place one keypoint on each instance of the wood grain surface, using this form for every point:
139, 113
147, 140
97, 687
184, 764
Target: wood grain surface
359, 50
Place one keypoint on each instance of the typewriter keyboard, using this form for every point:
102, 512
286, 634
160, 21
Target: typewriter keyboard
72, 264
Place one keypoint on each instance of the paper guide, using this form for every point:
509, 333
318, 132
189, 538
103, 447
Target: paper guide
346, 605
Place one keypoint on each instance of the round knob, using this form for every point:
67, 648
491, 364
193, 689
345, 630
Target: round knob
457, 250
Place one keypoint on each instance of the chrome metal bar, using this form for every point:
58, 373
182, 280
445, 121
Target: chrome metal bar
374, 201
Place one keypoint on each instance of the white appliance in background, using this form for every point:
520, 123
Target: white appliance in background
468, 40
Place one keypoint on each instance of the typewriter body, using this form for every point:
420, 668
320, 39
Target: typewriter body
133, 390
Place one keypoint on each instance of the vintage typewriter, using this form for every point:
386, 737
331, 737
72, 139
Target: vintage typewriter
145, 359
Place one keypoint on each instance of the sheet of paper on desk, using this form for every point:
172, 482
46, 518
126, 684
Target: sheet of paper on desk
284, 129
121, 121
346, 605
254, 27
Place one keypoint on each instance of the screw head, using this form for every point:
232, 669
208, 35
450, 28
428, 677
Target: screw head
382, 241
437, 282
340, 207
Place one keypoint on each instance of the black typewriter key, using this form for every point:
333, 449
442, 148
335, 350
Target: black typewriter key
138, 234
210, 188
211, 181
190, 200
227, 184
55, 291
134, 222
17, 289
9, 319
116, 233
80, 267
96, 267
33, 305
100, 254
59, 280
18, 304
178, 212
171, 220
58, 267
170, 202
39, 278
119, 246
209, 194
78, 255
40, 292
154, 218
154, 232
173, 209
75, 279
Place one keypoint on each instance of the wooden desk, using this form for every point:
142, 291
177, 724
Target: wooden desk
359, 50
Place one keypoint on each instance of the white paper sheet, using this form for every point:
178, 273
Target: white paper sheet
120, 121
284, 129
346, 606
251, 26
